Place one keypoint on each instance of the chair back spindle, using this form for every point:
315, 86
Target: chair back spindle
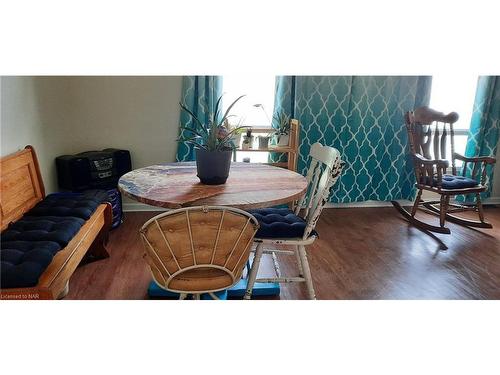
428, 127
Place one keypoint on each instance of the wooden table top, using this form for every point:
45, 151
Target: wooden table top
176, 185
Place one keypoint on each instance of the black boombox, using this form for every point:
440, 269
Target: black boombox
92, 169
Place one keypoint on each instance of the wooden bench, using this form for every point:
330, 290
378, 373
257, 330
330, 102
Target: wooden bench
21, 189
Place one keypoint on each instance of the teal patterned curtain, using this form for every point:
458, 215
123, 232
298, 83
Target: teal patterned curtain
199, 94
485, 124
363, 117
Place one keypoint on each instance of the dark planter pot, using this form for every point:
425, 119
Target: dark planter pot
213, 166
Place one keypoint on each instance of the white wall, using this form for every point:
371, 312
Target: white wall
67, 115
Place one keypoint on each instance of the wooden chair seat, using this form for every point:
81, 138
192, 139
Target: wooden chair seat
472, 190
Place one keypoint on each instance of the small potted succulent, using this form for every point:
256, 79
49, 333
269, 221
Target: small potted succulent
247, 140
265, 139
282, 125
213, 142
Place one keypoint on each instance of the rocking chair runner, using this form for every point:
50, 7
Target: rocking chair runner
427, 127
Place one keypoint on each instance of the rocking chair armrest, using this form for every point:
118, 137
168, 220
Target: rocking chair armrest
480, 164
441, 163
483, 159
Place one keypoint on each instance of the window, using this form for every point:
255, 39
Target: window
255, 109
455, 94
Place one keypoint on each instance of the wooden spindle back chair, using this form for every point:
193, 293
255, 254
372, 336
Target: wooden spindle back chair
198, 249
429, 133
324, 170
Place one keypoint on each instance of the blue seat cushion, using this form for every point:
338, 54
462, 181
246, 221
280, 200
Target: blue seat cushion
279, 223
451, 182
22, 262
80, 205
43, 228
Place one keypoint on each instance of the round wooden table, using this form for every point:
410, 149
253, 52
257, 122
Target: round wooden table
176, 185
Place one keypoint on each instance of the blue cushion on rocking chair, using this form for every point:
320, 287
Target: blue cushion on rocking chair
451, 182
279, 223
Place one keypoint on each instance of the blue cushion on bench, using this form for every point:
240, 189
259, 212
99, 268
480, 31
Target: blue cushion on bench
279, 223
43, 228
22, 262
80, 205
451, 182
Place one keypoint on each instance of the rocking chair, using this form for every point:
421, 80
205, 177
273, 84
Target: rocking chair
431, 166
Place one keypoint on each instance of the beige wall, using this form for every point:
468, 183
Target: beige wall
66, 115
140, 114
32, 108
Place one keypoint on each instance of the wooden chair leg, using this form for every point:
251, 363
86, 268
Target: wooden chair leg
97, 250
254, 270
307, 272
480, 207
299, 262
64, 292
417, 202
214, 297
443, 209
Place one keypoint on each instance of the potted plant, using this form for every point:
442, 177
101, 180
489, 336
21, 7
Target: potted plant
282, 124
247, 140
213, 143
264, 140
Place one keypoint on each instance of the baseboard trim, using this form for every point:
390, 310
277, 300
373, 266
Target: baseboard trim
366, 204
492, 200
135, 207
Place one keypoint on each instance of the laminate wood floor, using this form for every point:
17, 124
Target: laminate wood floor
362, 253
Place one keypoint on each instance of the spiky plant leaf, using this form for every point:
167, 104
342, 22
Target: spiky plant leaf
206, 136
185, 128
194, 143
230, 107
195, 118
